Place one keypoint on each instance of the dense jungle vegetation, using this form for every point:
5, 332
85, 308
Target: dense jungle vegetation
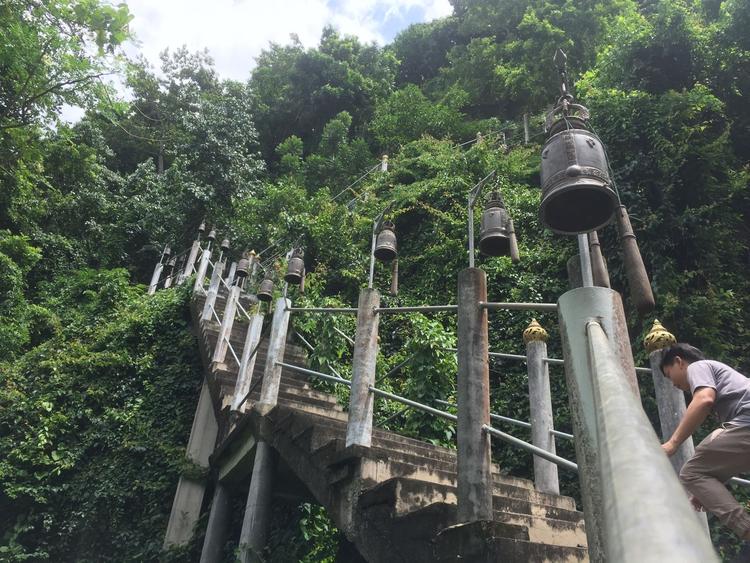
98, 382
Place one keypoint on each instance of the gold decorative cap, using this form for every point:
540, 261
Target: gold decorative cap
534, 332
658, 338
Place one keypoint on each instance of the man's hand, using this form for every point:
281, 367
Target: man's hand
669, 447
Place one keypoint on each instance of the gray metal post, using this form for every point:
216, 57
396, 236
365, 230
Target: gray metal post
540, 399
213, 291
361, 400
218, 522
188, 270
202, 268
587, 276
276, 345
155, 278
258, 507
575, 308
474, 453
227, 322
247, 363
646, 513
188, 497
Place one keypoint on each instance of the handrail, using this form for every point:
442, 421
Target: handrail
315, 373
332, 310
562, 462
415, 309
518, 306
413, 404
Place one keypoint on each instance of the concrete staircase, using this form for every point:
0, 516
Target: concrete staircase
395, 501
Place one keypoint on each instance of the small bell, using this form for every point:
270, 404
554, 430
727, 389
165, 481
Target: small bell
265, 290
296, 267
212, 235
167, 251
385, 244
494, 235
202, 228
224, 244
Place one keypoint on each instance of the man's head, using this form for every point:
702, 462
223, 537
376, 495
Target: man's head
675, 361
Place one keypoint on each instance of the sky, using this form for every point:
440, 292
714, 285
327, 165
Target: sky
235, 31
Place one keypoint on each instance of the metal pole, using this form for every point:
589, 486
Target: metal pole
269, 392
540, 403
213, 291
247, 364
471, 232
518, 306
583, 251
332, 310
258, 508
554, 458
646, 513
202, 268
473, 459
361, 401
227, 322
417, 309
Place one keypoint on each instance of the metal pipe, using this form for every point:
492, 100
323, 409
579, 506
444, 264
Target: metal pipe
398, 367
417, 309
562, 434
740, 482
646, 515
562, 462
471, 232
414, 404
315, 373
518, 306
346, 336
587, 275
334, 310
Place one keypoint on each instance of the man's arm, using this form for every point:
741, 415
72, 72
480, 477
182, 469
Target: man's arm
697, 411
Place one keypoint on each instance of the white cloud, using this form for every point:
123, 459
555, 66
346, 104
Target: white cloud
235, 31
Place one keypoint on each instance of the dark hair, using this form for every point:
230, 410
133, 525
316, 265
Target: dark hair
685, 351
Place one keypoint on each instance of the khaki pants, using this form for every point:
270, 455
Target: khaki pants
720, 456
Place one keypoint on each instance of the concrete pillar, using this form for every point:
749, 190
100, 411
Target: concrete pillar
540, 399
213, 291
232, 271
155, 278
227, 322
276, 345
247, 363
189, 495
574, 272
474, 453
258, 507
361, 399
526, 135
575, 308
202, 269
218, 522
188, 270
670, 401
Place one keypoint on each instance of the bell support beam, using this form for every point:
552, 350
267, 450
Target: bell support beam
213, 291
190, 262
255, 523
361, 400
217, 527
473, 394
227, 322
155, 278
247, 363
202, 269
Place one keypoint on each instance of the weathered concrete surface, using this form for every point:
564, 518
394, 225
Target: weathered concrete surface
216, 530
575, 308
189, 495
276, 346
540, 403
361, 400
258, 508
473, 394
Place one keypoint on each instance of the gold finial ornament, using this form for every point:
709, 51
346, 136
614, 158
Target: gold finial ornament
658, 338
534, 332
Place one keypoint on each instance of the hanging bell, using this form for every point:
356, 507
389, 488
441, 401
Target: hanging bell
265, 290
577, 196
296, 267
494, 234
202, 227
167, 251
225, 245
243, 267
212, 235
385, 245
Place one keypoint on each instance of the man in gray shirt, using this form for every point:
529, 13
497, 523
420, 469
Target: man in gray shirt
725, 452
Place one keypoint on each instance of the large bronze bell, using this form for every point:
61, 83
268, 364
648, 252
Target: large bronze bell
296, 267
385, 245
494, 232
243, 267
577, 196
265, 289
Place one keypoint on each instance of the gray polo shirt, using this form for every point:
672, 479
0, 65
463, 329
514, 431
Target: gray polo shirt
732, 389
